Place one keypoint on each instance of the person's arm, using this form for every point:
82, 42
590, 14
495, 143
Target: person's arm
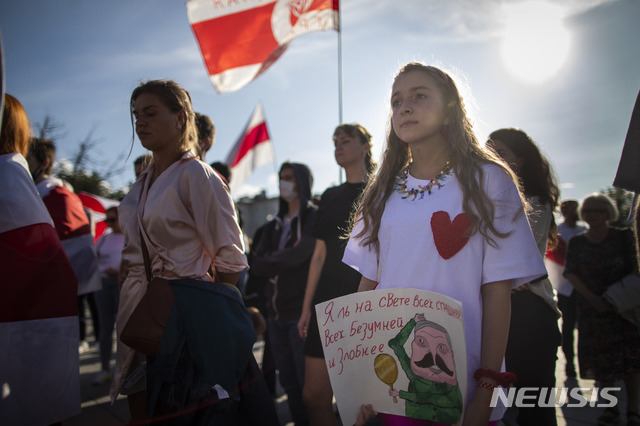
598, 302
214, 220
571, 268
496, 313
227, 277
366, 284
291, 257
315, 269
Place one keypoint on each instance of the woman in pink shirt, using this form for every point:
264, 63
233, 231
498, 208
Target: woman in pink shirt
183, 211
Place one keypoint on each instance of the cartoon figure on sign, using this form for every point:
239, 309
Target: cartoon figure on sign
434, 393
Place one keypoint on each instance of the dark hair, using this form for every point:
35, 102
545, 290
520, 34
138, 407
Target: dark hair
356, 130
176, 99
566, 203
15, 132
534, 173
43, 149
223, 169
205, 126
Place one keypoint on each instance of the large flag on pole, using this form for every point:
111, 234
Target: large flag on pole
252, 149
239, 40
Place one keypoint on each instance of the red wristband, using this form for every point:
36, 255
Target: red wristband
503, 379
483, 384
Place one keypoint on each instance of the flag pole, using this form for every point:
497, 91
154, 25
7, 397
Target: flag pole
339, 73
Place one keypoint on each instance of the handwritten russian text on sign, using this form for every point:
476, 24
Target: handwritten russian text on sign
402, 350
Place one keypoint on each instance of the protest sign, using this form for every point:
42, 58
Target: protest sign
402, 350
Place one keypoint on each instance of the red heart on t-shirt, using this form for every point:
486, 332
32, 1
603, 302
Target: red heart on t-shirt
449, 236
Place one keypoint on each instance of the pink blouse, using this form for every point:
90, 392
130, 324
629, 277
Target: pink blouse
190, 224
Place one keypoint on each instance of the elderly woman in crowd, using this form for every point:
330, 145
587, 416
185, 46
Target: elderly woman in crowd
608, 345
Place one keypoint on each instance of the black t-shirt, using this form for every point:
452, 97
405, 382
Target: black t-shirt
336, 207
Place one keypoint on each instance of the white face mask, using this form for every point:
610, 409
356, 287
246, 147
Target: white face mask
287, 190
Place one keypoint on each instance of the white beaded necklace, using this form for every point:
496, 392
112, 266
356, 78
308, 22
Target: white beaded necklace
406, 192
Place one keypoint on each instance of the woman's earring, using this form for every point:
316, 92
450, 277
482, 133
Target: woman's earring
178, 126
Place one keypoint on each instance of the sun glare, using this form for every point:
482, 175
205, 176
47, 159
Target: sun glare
535, 44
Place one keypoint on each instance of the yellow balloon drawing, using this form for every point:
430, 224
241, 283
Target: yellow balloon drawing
386, 370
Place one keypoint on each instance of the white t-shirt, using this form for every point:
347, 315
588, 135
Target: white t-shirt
419, 249
566, 232
109, 248
555, 264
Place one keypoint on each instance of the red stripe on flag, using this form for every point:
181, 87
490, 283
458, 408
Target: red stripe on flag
324, 4
257, 135
91, 203
559, 252
236, 40
37, 279
67, 213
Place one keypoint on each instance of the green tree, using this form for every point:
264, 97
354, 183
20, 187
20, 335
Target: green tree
623, 200
82, 171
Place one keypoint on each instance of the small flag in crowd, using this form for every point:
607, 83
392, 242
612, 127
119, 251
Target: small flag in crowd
252, 149
554, 260
97, 208
241, 40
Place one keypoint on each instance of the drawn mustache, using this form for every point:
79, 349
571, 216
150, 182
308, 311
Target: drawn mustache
427, 362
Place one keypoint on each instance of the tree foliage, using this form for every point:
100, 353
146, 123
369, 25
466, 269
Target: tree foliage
83, 172
624, 201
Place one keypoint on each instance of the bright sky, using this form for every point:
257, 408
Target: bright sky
567, 73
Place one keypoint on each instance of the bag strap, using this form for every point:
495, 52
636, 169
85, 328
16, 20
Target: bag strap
145, 257
143, 245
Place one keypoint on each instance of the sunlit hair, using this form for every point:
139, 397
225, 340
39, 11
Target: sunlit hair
356, 130
16, 131
176, 99
534, 172
610, 205
467, 157
43, 149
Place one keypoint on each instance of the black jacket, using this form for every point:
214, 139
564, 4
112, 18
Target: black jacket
288, 268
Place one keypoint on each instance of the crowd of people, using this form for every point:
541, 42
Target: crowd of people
380, 229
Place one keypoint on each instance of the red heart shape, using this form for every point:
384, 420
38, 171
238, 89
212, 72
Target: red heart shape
448, 236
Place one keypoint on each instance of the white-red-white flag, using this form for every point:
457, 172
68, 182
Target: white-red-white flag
239, 40
554, 261
97, 207
252, 149
39, 364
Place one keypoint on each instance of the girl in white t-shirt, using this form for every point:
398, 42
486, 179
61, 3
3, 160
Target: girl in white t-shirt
445, 215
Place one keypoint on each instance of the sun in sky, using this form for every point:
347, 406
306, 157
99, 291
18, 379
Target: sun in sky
535, 44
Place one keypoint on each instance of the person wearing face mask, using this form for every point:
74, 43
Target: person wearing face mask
283, 254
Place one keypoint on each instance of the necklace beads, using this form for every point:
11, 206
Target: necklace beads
436, 182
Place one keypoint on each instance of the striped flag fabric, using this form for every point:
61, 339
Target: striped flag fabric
39, 364
554, 262
252, 149
97, 207
239, 40
74, 230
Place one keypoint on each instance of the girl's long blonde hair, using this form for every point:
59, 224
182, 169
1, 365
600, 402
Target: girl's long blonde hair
467, 158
